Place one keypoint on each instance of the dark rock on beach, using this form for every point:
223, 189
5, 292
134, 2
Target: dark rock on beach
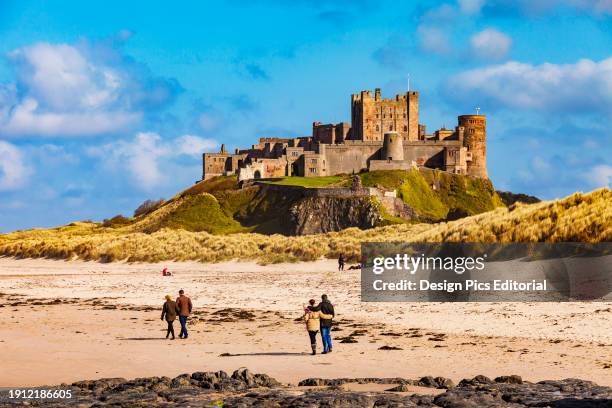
245, 389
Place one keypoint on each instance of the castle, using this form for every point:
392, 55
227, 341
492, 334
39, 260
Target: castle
384, 134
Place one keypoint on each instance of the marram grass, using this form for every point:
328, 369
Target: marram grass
577, 218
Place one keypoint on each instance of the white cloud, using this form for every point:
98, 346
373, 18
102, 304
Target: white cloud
601, 175
433, 39
471, 6
26, 118
490, 43
194, 145
67, 90
14, 173
444, 13
62, 77
208, 121
583, 86
147, 157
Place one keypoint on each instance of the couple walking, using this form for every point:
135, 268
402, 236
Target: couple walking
181, 308
319, 317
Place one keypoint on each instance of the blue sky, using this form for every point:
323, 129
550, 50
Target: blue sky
106, 104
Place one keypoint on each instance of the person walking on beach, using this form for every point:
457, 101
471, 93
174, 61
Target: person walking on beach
312, 319
328, 309
184, 306
169, 311
341, 263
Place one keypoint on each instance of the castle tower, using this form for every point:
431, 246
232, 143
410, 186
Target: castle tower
373, 116
413, 116
393, 147
475, 139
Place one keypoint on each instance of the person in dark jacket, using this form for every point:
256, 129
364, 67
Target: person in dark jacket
184, 310
327, 308
169, 312
341, 263
313, 323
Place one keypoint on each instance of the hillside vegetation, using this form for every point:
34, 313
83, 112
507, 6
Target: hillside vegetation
219, 206
437, 194
580, 217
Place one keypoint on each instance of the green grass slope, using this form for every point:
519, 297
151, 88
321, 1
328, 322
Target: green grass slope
196, 213
219, 206
312, 182
437, 194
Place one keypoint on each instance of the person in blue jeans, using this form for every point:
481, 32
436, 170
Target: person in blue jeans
326, 324
183, 303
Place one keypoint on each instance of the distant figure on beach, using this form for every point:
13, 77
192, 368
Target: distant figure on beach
313, 323
341, 263
169, 311
184, 308
328, 309
166, 272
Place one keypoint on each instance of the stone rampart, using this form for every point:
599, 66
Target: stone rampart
342, 192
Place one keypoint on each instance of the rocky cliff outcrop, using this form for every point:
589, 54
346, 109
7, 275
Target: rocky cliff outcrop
314, 215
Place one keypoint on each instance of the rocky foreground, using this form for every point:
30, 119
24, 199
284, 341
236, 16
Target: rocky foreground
244, 389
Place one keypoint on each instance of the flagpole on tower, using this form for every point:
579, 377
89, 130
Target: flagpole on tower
408, 82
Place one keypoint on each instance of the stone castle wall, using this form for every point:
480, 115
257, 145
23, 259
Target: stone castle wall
349, 157
341, 192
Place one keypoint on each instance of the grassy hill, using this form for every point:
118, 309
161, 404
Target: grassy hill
437, 194
580, 217
218, 206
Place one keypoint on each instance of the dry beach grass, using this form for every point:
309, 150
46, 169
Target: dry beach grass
581, 217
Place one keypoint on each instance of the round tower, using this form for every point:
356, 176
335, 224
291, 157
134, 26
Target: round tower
393, 148
475, 139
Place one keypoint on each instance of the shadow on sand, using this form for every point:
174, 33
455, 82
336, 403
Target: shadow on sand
141, 338
263, 354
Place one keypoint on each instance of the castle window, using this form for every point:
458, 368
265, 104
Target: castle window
377, 128
390, 115
313, 161
384, 116
390, 127
405, 128
404, 116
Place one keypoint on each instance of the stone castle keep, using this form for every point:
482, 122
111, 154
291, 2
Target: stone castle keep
384, 134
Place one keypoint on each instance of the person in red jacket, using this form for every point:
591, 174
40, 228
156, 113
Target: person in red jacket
184, 306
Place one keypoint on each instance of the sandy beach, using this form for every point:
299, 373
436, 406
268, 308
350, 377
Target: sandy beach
70, 320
